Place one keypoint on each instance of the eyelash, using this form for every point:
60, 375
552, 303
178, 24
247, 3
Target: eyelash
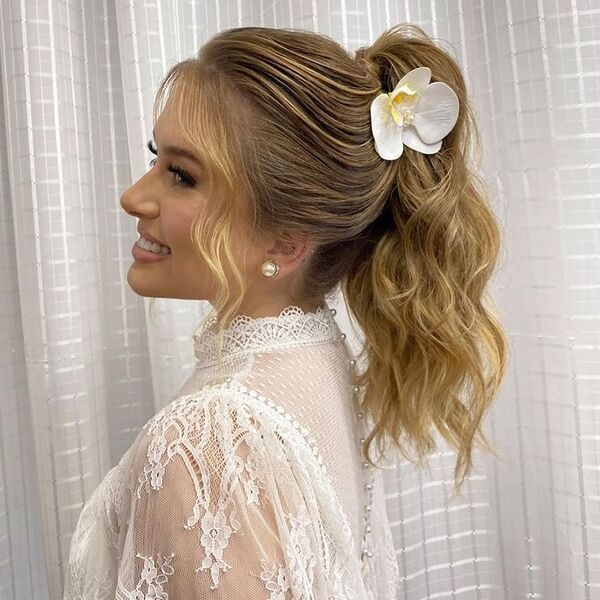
186, 180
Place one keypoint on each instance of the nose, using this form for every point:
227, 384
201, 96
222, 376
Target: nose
138, 201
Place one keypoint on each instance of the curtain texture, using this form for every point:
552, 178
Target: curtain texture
83, 366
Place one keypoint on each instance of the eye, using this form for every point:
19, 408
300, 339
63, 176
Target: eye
184, 179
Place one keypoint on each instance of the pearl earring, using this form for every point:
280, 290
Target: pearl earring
269, 268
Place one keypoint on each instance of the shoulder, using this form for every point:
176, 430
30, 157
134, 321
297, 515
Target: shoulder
226, 405
218, 424
225, 459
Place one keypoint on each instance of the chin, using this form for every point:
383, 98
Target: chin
140, 284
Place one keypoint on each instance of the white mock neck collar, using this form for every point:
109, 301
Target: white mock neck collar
291, 327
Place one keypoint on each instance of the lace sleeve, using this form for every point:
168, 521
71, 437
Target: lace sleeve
223, 505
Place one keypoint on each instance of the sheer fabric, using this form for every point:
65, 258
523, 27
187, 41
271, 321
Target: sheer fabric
248, 484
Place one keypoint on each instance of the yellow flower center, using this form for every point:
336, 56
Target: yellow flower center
405, 93
401, 106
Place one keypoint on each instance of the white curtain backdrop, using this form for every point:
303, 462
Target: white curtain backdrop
82, 368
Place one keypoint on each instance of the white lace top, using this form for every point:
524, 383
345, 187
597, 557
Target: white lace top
246, 486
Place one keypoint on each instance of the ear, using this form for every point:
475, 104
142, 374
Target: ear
289, 255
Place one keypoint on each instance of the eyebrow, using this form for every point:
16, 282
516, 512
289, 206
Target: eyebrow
181, 152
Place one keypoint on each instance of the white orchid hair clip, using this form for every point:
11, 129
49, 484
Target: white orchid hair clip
416, 113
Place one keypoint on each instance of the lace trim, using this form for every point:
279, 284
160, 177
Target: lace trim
293, 326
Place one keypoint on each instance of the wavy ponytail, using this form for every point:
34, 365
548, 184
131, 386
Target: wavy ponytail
436, 353
281, 120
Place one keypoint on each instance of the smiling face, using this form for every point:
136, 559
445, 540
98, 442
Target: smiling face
166, 201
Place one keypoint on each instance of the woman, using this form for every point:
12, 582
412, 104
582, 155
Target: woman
284, 167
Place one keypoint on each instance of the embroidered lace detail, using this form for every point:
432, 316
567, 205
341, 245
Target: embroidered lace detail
293, 326
275, 580
153, 579
216, 531
301, 560
214, 416
214, 538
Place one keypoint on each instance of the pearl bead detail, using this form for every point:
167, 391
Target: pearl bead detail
367, 469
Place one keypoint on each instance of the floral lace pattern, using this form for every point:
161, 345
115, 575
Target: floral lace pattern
235, 423
215, 530
275, 580
214, 538
301, 560
152, 580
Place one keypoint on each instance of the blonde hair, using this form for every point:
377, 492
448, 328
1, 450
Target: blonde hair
281, 120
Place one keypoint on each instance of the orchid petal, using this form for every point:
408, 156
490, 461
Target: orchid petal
417, 79
386, 132
411, 138
436, 112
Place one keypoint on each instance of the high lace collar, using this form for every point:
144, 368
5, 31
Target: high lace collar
291, 327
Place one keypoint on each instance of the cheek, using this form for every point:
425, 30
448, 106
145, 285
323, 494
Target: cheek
176, 227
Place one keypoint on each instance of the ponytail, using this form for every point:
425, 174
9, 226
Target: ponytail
436, 353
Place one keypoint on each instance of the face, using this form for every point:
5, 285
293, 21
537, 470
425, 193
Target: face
165, 200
